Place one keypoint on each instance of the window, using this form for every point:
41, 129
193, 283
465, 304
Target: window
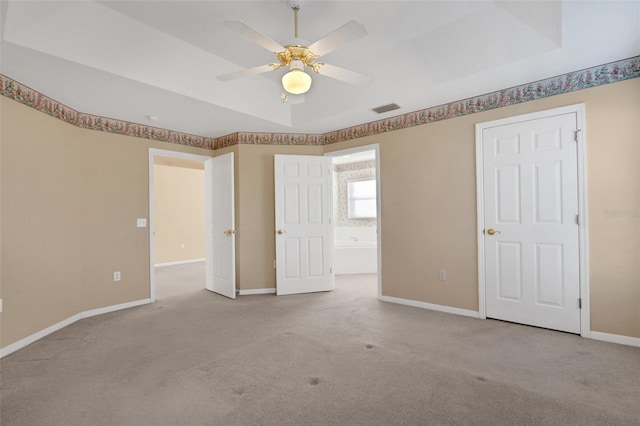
362, 199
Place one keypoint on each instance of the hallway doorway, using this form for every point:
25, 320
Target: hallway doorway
180, 280
172, 242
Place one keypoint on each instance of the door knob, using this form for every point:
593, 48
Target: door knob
280, 232
229, 232
492, 231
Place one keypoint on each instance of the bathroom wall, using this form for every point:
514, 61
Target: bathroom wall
342, 174
355, 240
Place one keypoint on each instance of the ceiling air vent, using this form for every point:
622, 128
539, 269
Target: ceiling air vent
386, 108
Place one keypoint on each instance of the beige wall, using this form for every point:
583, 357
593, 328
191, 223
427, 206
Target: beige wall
428, 198
179, 213
70, 199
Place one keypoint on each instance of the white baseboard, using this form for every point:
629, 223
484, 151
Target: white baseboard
39, 335
430, 306
62, 324
252, 291
113, 308
179, 262
616, 338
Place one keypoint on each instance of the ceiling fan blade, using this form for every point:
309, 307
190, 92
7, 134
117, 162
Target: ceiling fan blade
245, 73
345, 75
254, 36
347, 33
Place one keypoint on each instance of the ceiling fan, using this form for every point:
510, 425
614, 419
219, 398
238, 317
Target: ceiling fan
298, 55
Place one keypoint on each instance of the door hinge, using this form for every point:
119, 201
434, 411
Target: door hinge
575, 134
331, 270
580, 303
578, 219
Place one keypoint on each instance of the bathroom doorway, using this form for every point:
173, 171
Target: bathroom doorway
356, 216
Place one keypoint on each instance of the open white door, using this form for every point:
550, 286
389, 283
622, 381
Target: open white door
303, 224
221, 268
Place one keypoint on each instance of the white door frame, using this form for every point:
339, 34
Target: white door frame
153, 152
583, 243
373, 147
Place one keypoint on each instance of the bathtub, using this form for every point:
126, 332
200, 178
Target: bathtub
355, 257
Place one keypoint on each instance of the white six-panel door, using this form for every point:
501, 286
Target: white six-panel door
531, 240
303, 224
220, 227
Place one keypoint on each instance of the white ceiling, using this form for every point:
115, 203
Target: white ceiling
354, 157
134, 59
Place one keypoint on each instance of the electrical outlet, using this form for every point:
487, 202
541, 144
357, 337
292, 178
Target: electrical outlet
442, 274
141, 223
116, 276
182, 246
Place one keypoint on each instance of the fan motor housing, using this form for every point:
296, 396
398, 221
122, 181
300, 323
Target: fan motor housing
296, 51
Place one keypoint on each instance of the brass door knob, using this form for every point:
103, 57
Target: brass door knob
229, 232
280, 232
492, 231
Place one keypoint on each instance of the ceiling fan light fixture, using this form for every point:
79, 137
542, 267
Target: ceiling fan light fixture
297, 55
296, 81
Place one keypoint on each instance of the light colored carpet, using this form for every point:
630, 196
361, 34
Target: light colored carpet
337, 358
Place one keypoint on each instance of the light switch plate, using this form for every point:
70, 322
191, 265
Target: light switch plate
0, 305
141, 223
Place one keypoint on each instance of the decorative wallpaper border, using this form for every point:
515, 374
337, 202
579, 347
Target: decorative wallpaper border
613, 72
34, 99
625, 69
248, 138
350, 167
225, 141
